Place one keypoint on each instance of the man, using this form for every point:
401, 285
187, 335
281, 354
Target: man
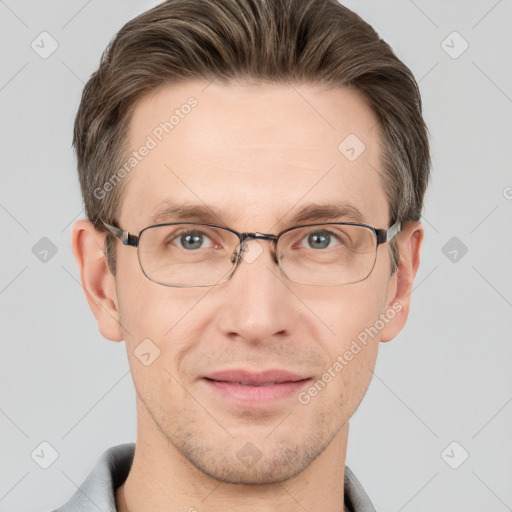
253, 175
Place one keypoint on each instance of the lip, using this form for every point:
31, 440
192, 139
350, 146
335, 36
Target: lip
244, 388
247, 377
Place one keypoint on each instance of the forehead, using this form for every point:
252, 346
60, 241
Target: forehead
254, 154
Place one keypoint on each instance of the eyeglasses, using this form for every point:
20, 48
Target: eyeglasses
195, 254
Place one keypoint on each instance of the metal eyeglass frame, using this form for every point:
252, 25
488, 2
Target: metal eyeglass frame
381, 236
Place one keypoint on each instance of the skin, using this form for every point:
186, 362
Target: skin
258, 153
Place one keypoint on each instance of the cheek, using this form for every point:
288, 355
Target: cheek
350, 310
351, 354
351, 342
159, 331
160, 321
147, 309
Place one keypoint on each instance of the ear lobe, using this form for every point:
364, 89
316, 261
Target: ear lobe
409, 242
97, 281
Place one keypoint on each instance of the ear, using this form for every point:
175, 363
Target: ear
409, 242
97, 281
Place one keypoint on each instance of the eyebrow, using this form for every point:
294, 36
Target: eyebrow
337, 211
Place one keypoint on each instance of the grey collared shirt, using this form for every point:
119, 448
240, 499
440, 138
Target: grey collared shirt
98, 491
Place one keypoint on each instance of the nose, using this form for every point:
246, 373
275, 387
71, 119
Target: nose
258, 304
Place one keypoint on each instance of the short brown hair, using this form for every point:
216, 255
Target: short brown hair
315, 41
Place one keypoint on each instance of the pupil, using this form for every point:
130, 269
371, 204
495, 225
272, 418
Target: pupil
319, 241
191, 241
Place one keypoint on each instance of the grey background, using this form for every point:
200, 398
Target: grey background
447, 377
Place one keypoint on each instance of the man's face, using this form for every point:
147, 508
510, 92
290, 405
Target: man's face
255, 155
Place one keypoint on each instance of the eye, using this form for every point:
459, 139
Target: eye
321, 239
191, 240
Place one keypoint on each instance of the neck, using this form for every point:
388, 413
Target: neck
162, 480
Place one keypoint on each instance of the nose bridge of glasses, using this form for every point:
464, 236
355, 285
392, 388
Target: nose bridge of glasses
244, 237
257, 236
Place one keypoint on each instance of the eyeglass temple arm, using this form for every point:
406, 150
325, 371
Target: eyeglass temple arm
386, 235
124, 236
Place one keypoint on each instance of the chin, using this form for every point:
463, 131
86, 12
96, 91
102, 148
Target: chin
265, 461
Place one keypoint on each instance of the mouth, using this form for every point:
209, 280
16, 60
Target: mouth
249, 389
247, 383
